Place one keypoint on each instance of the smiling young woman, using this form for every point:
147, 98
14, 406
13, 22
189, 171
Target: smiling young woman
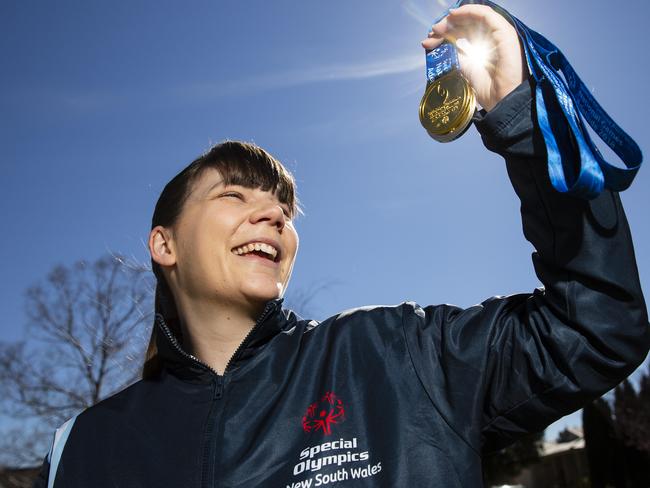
238, 391
222, 245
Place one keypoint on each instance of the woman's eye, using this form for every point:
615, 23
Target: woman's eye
233, 194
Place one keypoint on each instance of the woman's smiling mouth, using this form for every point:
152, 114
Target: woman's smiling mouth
263, 252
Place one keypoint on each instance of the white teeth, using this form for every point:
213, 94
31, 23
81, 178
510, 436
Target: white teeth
257, 246
268, 250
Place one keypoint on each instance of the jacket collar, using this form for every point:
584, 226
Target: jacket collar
186, 366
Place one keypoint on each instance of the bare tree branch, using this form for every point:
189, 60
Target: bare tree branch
88, 326
300, 300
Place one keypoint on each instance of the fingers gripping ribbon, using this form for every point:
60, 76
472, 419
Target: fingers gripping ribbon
563, 105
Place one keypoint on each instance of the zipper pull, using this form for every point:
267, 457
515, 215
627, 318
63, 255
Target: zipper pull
218, 388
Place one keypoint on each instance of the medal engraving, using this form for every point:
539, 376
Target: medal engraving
447, 107
439, 116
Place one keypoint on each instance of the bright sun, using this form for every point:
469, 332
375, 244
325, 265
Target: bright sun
478, 53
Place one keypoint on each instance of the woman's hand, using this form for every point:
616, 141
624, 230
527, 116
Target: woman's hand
489, 50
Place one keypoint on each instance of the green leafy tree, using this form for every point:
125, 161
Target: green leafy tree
631, 420
502, 466
617, 437
602, 445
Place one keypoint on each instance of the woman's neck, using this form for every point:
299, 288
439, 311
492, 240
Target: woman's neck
215, 331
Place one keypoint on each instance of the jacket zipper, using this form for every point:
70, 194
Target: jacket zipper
177, 346
209, 459
206, 466
257, 325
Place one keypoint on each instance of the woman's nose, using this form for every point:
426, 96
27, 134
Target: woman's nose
271, 213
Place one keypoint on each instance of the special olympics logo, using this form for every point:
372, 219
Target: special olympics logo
321, 415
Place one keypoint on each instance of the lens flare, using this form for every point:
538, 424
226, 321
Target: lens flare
478, 53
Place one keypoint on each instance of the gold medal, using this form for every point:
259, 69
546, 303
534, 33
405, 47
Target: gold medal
447, 107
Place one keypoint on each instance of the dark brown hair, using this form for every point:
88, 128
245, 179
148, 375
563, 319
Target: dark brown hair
239, 163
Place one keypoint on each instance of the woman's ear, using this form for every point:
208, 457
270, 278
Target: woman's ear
161, 246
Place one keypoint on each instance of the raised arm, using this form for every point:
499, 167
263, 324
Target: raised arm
587, 329
515, 364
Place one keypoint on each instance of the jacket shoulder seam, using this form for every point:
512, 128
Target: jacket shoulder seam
426, 390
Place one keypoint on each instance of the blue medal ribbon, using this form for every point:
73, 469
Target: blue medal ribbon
564, 102
441, 61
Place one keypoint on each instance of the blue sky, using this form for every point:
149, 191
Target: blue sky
103, 102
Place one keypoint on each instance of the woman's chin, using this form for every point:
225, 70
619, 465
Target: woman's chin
261, 295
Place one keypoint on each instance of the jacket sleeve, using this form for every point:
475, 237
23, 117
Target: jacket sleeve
514, 364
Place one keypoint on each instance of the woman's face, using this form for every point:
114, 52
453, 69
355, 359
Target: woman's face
214, 240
